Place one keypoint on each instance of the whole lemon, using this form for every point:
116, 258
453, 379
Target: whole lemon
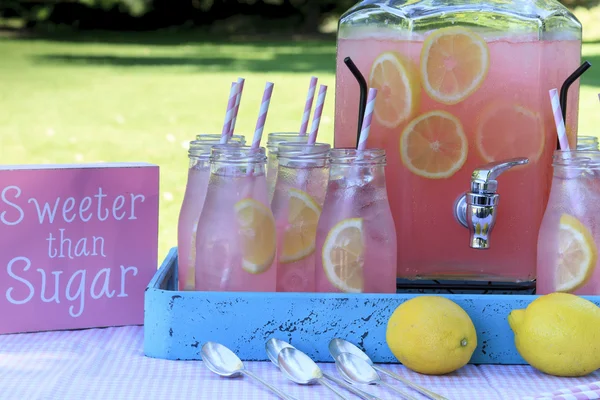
431, 335
559, 334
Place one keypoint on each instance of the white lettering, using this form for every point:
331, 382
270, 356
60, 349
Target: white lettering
68, 208
9, 203
46, 210
99, 196
133, 198
64, 240
119, 199
83, 208
80, 294
52, 253
123, 273
55, 297
18, 278
101, 240
105, 286
62, 246
81, 248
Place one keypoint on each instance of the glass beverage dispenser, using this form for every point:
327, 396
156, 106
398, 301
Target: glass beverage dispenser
464, 115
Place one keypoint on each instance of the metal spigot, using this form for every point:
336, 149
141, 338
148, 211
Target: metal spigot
476, 210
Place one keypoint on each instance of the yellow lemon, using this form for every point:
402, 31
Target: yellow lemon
577, 255
454, 64
558, 334
257, 235
431, 335
299, 237
343, 255
397, 84
434, 145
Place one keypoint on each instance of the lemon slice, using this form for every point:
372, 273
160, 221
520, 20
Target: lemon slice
397, 83
343, 255
577, 255
506, 130
434, 145
257, 235
299, 236
454, 64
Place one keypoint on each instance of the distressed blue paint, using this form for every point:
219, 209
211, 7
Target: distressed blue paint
178, 323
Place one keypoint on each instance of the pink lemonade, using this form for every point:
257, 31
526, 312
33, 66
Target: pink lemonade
236, 239
273, 141
356, 237
193, 200
508, 115
570, 231
302, 177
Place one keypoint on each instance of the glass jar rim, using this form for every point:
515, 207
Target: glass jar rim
202, 149
592, 138
576, 159
274, 138
352, 156
209, 137
225, 153
302, 151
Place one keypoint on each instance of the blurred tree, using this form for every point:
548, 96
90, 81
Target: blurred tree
135, 8
228, 15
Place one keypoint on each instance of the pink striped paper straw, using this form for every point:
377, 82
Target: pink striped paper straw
366, 125
308, 105
236, 108
312, 137
558, 120
229, 114
262, 115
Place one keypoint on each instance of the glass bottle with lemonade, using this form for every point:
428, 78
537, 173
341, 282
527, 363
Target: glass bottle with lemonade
461, 84
302, 174
356, 237
236, 237
570, 231
193, 200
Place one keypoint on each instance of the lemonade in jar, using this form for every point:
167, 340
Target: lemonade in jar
570, 232
193, 200
273, 140
461, 84
302, 174
356, 237
235, 239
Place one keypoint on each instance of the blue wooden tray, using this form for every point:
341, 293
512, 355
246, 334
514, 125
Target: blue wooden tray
177, 323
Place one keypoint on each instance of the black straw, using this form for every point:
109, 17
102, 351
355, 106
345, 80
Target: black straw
564, 90
362, 105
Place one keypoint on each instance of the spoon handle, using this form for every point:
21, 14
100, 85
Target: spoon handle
350, 388
333, 389
404, 395
268, 386
420, 389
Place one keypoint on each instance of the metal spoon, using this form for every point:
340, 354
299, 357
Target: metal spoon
222, 361
299, 368
274, 347
339, 346
355, 369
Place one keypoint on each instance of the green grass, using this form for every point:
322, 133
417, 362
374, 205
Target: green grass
141, 97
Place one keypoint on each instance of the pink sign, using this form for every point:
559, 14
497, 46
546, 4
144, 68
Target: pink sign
78, 245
